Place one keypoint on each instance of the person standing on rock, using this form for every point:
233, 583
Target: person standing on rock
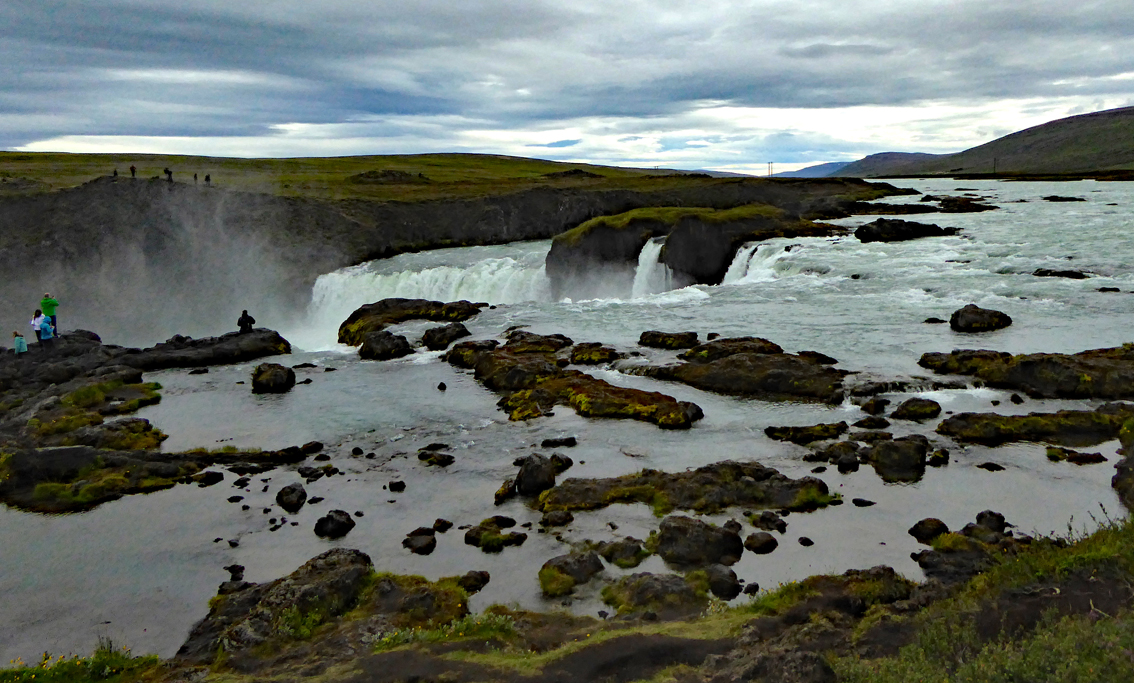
245, 323
19, 344
48, 304
36, 321
47, 335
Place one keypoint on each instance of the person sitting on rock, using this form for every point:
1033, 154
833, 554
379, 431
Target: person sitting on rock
19, 344
36, 321
245, 323
48, 304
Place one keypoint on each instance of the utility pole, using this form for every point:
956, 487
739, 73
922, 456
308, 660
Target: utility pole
770, 167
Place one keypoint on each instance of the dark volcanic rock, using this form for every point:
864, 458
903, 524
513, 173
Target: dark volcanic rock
761, 543
770, 377
872, 422
561, 442
1069, 274
899, 460
272, 378
335, 524
875, 406
667, 595
719, 348
536, 475
805, 435
973, 318
1057, 198
556, 518
490, 537
383, 345
895, 230
685, 541
707, 489
561, 574
768, 521
522, 341
917, 409
420, 544
1056, 454
1066, 427
291, 498
473, 581
436, 459
722, 581
516, 374
439, 338
252, 615
380, 315
928, 529
668, 340
627, 552
1097, 373
593, 353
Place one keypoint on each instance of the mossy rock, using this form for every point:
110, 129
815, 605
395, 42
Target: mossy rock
917, 409
806, 435
1064, 428
378, 316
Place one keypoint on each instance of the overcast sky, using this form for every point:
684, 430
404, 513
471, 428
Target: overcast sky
701, 84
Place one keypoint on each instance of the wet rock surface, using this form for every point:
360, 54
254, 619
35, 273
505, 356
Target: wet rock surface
806, 435
1066, 427
973, 318
685, 542
1097, 373
335, 524
560, 575
899, 460
668, 340
767, 376
439, 338
378, 316
291, 498
532, 383
383, 345
668, 596
707, 489
916, 409
894, 230
272, 378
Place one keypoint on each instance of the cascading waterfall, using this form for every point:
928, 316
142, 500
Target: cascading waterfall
755, 263
651, 276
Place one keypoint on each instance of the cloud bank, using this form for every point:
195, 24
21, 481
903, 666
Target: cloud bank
726, 85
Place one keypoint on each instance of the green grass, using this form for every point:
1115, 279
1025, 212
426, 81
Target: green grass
107, 663
333, 178
670, 215
485, 626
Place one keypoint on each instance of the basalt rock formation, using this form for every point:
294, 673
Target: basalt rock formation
1097, 373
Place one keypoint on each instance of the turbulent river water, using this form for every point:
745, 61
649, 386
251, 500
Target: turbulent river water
141, 570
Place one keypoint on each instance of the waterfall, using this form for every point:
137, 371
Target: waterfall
739, 266
651, 276
756, 263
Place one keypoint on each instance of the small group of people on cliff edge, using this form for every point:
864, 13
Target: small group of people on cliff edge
45, 324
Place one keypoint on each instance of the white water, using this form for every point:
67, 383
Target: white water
651, 277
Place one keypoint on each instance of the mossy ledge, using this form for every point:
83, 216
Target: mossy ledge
1098, 373
707, 489
1064, 428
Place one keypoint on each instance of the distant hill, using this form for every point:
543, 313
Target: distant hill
817, 171
1101, 141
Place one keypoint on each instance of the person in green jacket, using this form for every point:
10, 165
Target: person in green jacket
48, 304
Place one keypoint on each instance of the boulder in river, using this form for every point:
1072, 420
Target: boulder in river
1069, 274
272, 378
896, 230
899, 460
593, 353
335, 524
291, 498
490, 537
805, 435
761, 543
719, 348
685, 541
722, 581
917, 409
668, 340
536, 475
560, 575
626, 552
439, 338
766, 376
383, 345
973, 318
928, 529
380, 315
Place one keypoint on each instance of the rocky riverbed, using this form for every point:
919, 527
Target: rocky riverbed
647, 459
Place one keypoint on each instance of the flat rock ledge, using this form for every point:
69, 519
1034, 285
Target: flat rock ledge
1098, 373
707, 489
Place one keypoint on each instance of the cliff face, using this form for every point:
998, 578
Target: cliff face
144, 259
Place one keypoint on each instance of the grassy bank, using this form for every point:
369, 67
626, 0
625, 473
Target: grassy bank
410, 177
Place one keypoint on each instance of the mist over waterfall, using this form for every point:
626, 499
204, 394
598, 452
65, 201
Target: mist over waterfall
759, 263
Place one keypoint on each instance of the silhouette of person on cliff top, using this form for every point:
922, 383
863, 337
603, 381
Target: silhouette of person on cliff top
245, 322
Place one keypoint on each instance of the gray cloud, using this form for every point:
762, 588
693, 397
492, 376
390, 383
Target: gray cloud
214, 69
